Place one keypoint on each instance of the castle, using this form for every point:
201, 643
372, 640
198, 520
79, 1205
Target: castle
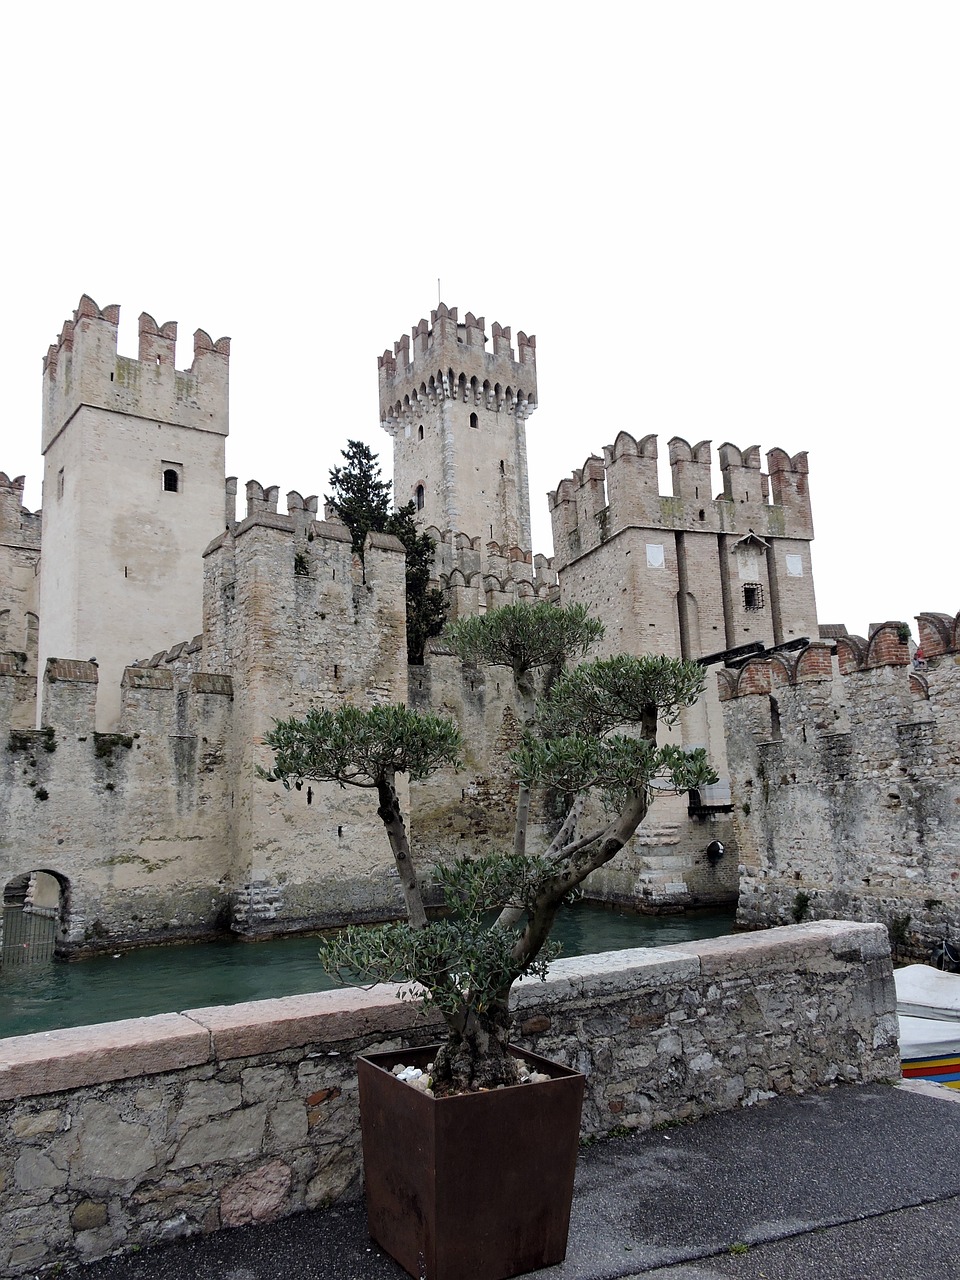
129, 802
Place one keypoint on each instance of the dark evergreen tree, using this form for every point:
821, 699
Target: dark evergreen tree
361, 498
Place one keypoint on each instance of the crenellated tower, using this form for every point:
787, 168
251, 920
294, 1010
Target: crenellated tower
457, 413
133, 490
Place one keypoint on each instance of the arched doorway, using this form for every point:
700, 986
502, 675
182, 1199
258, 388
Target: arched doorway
33, 904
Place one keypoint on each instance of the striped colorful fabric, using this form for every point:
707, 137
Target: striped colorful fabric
944, 1070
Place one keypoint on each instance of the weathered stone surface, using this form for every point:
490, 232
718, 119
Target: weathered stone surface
259, 1196
34, 1170
207, 1098
238, 1136
52, 1061
269, 1026
110, 1149
30, 1126
88, 1215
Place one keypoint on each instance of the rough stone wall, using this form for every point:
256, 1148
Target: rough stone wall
19, 597
148, 1131
296, 620
130, 822
846, 782
162, 829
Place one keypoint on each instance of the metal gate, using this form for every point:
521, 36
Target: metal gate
28, 936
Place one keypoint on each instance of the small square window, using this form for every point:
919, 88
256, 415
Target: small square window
752, 596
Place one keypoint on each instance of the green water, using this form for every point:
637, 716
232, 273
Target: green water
42, 997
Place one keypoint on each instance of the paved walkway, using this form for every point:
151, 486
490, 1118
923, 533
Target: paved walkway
846, 1184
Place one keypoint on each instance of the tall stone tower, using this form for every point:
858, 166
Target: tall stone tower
133, 490
457, 414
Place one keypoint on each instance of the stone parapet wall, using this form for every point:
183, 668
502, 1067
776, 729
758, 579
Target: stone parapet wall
845, 776
150, 1130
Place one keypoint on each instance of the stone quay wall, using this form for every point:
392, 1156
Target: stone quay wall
146, 1131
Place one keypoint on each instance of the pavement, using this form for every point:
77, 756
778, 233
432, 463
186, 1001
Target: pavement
850, 1183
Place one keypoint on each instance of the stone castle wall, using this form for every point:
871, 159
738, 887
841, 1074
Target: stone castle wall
162, 829
19, 596
846, 782
135, 1133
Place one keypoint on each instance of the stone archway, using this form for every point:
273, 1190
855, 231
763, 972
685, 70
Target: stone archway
33, 905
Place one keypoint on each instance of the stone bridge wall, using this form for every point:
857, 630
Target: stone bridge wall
139, 1132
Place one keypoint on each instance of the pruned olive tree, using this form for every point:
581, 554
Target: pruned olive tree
595, 729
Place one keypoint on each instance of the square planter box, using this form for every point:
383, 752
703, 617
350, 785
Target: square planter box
475, 1186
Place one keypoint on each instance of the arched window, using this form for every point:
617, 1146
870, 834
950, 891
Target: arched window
474, 420
420, 432
419, 497
171, 480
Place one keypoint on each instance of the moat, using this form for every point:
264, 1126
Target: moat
42, 997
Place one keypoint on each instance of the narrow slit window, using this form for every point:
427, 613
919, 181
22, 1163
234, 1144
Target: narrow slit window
420, 497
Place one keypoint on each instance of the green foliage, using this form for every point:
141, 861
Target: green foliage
596, 728
301, 565
426, 607
362, 501
360, 497
610, 693
616, 765
360, 748
801, 906
459, 961
523, 636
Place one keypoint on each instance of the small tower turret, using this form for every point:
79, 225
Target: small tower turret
457, 413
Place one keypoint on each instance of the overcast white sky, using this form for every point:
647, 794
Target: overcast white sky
725, 221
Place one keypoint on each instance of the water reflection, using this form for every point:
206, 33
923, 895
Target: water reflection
166, 979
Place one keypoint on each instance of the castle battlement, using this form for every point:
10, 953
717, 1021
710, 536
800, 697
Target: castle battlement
621, 490
476, 575
18, 526
83, 368
449, 360
845, 780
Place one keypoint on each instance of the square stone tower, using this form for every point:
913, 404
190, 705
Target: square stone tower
457, 414
133, 490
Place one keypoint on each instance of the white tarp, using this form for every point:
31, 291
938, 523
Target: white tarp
928, 1038
925, 992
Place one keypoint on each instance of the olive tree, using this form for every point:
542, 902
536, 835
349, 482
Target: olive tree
594, 729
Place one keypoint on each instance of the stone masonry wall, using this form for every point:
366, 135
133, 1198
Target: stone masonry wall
134, 1133
846, 783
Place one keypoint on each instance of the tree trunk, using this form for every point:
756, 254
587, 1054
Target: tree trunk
475, 1055
391, 816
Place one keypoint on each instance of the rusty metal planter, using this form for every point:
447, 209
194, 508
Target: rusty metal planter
478, 1185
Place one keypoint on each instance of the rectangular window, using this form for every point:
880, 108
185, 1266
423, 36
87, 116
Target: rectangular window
655, 555
752, 596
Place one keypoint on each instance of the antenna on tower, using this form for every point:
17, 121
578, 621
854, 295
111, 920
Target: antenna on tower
438, 291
